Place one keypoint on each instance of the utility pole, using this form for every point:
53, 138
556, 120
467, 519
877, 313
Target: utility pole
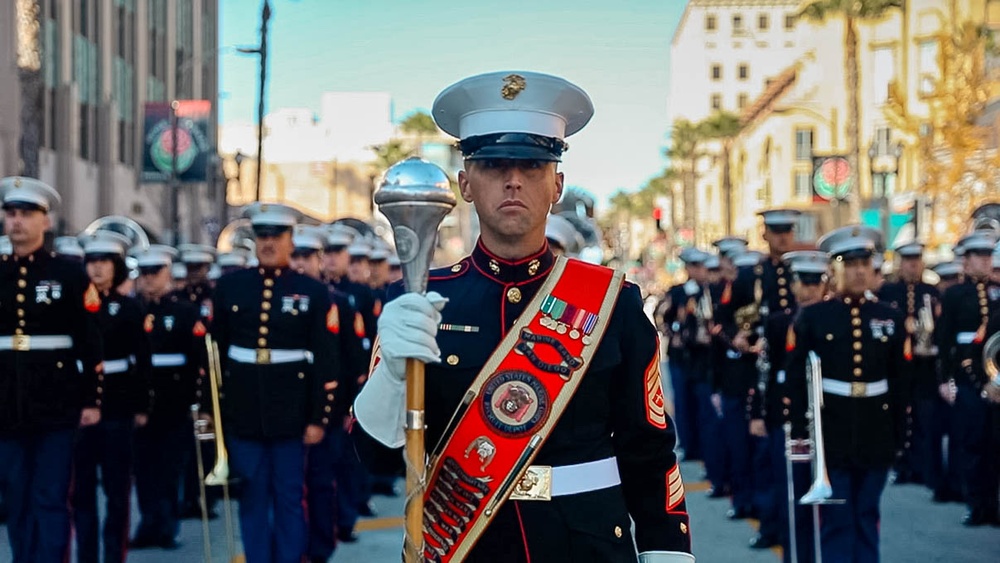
265, 16
175, 186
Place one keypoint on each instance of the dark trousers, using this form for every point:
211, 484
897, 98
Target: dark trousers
736, 437
762, 476
980, 437
107, 445
272, 518
35, 476
801, 479
850, 531
685, 410
710, 428
943, 468
161, 450
350, 477
323, 491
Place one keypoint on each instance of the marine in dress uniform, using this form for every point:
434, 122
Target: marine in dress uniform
127, 397
69, 248
328, 468
919, 302
276, 334
863, 350
163, 447
198, 260
611, 452
964, 325
232, 261
774, 406
50, 351
687, 319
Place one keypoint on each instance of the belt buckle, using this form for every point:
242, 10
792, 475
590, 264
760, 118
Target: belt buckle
21, 343
535, 484
263, 355
859, 389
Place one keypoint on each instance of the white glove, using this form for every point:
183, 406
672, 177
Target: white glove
407, 328
665, 557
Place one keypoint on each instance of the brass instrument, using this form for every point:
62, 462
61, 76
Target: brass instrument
796, 451
703, 315
219, 476
990, 351
923, 337
821, 492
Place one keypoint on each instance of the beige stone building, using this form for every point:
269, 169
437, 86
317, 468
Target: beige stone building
101, 60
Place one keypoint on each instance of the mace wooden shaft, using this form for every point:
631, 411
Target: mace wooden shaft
415, 462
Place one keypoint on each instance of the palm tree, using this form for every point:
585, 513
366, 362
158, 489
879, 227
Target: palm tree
853, 11
389, 153
723, 126
683, 154
420, 125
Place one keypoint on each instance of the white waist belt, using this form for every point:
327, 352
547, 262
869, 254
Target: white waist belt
116, 366
168, 360
855, 388
965, 337
585, 477
27, 343
268, 355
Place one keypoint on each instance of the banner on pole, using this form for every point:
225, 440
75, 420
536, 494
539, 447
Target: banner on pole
193, 146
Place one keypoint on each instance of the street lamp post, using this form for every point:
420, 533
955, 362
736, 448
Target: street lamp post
881, 176
261, 50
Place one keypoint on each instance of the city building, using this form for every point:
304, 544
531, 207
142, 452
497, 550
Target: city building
97, 63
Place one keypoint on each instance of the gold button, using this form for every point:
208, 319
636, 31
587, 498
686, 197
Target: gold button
22, 284
452, 360
263, 330
97, 402
857, 358
302, 375
100, 377
856, 322
781, 281
857, 333
984, 310
18, 331
885, 406
20, 312
236, 308
855, 311
857, 345
261, 342
20, 298
456, 268
783, 303
514, 295
264, 317
295, 312
780, 270
265, 306
59, 365
829, 337
857, 372
782, 292
327, 409
20, 322
269, 283
100, 389
326, 420
268, 294
980, 286
329, 397
618, 531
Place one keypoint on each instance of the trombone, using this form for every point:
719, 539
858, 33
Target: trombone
219, 476
820, 492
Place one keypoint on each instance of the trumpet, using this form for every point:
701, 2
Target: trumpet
923, 338
990, 351
703, 314
219, 476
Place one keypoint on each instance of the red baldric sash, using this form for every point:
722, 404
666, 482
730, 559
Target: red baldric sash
512, 406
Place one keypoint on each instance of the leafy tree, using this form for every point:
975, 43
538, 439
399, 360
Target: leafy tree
389, 153
723, 126
684, 153
418, 123
853, 12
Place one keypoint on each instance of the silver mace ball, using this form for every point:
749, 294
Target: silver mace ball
415, 195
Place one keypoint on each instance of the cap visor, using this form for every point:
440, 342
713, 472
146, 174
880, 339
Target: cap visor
514, 152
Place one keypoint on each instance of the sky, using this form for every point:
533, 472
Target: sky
618, 51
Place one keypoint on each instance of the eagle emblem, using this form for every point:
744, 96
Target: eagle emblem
513, 84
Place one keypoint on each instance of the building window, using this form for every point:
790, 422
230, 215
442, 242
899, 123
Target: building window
803, 144
883, 73
803, 185
789, 22
744, 71
711, 22
882, 140
737, 23
763, 22
929, 68
742, 100
716, 101
716, 72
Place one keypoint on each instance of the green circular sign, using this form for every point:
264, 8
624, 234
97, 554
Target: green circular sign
832, 178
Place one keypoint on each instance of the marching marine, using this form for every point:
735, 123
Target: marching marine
50, 355
862, 348
542, 462
275, 330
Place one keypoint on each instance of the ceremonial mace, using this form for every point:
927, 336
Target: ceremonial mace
415, 196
